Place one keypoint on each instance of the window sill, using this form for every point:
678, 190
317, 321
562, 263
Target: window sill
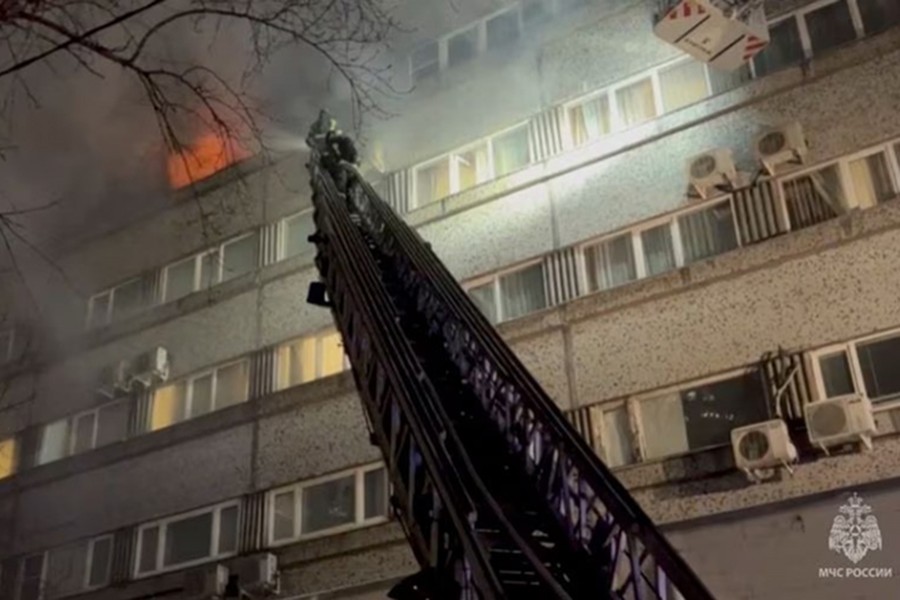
330, 533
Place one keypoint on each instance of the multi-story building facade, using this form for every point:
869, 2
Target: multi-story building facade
542, 152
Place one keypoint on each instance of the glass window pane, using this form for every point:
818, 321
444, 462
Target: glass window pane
483, 296
590, 120
663, 427
712, 411
297, 362
724, 81
54, 442
329, 504
232, 384
168, 406
101, 559
635, 103
836, 375
878, 362
871, 180
209, 269
201, 395
425, 61
240, 257
814, 198
511, 151
32, 578
332, 354
65, 570
472, 167
707, 232
228, 526
462, 47
610, 263
7, 457
522, 292
127, 299
188, 539
659, 254
180, 279
375, 486
879, 15
83, 433
830, 26
283, 526
296, 233
784, 48
433, 182
503, 29
683, 84
112, 423
148, 549
99, 310
617, 437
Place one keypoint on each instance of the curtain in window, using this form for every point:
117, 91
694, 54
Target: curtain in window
522, 292
231, 384
878, 15
590, 120
168, 406
472, 166
511, 151
707, 232
617, 437
871, 180
332, 354
611, 263
635, 103
723, 81
659, 255
784, 48
814, 198
663, 427
683, 84
432, 182
830, 26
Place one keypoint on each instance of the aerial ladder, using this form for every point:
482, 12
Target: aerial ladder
498, 495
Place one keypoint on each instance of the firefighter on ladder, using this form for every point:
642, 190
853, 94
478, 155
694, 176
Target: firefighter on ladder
336, 150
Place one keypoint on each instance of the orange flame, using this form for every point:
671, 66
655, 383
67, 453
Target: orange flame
208, 155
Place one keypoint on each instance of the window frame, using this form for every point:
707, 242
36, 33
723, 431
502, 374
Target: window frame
494, 280
111, 292
319, 337
633, 438
89, 561
282, 233
188, 382
16, 454
359, 520
220, 250
43, 577
163, 528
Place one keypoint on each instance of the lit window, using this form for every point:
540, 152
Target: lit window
8, 457
187, 539
462, 47
814, 197
310, 358
610, 263
683, 84
590, 120
636, 103
329, 505
879, 15
472, 167
702, 416
200, 394
522, 292
433, 182
295, 235
871, 179
830, 26
168, 405
511, 151
784, 48
424, 62
707, 232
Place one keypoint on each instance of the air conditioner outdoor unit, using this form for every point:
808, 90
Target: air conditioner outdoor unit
257, 574
841, 420
114, 379
151, 367
762, 447
781, 148
205, 583
711, 169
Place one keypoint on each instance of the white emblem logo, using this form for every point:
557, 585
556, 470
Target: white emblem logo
855, 531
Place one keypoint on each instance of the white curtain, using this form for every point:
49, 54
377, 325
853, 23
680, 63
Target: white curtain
659, 256
636, 103
522, 292
611, 263
707, 232
871, 180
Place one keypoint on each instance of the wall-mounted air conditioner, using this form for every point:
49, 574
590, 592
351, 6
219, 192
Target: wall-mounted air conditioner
205, 583
781, 148
257, 575
150, 367
712, 172
114, 379
839, 421
761, 448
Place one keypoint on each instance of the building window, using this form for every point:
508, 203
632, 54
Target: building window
610, 263
200, 394
701, 416
98, 427
8, 456
462, 47
54, 442
683, 84
240, 256
616, 438
471, 167
658, 249
99, 561
814, 197
310, 358
432, 181
590, 119
829, 26
707, 232
485, 299
229, 260
118, 303
295, 232
870, 178
187, 539
879, 15
511, 151
31, 580
784, 48
329, 505
512, 295
503, 29
867, 366
425, 62
636, 103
